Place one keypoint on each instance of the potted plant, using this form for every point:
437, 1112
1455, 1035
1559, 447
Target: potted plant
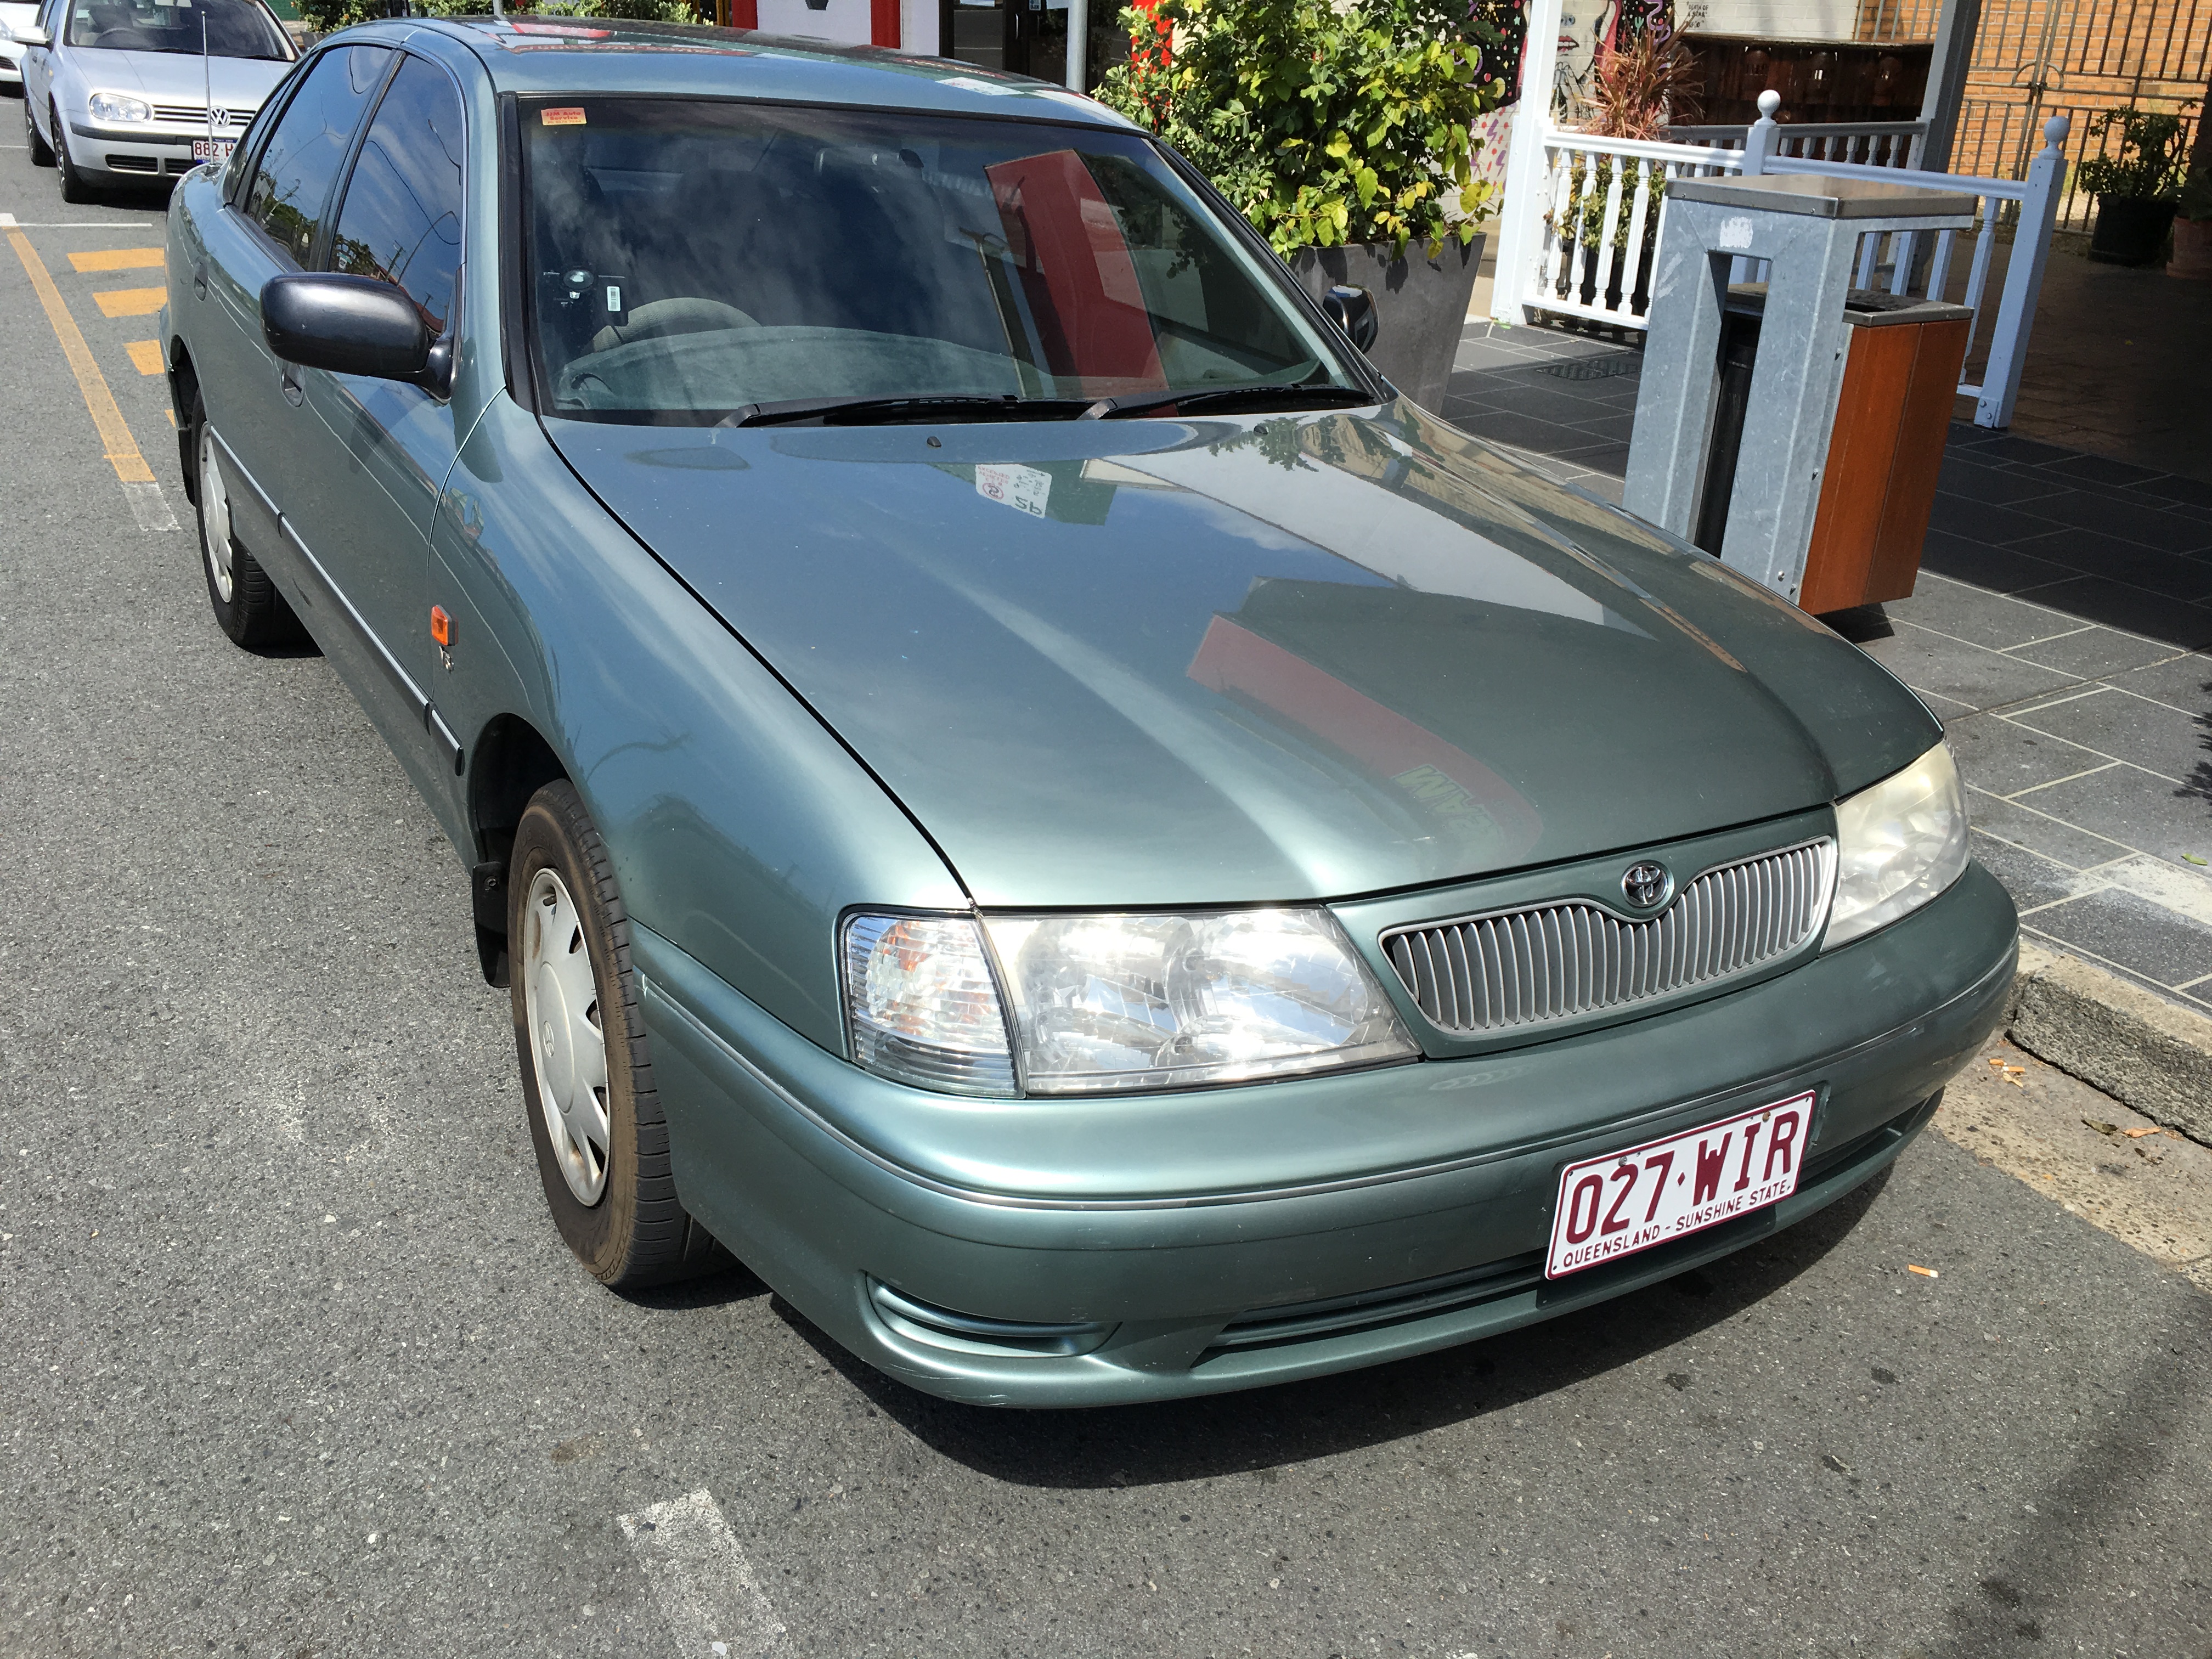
1636, 91
2137, 188
1342, 131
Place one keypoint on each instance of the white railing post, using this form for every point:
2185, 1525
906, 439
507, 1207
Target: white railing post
2031, 249
1757, 148
1521, 216
1758, 142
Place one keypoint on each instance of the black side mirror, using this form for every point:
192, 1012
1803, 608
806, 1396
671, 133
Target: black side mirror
348, 324
1352, 310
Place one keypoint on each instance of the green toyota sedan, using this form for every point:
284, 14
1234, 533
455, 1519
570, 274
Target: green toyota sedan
1016, 786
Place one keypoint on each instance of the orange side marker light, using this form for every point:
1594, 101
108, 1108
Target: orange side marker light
442, 625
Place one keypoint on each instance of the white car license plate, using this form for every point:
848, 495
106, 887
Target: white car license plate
213, 149
1614, 1206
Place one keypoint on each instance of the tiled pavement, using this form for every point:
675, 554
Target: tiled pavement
2062, 629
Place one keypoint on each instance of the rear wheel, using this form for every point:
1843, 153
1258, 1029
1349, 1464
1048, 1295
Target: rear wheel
74, 188
247, 607
595, 1119
42, 152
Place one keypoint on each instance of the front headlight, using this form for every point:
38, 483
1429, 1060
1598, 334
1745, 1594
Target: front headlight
1105, 1003
1898, 845
114, 106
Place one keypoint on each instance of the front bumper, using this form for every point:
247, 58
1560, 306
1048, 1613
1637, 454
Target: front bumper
133, 152
1191, 1243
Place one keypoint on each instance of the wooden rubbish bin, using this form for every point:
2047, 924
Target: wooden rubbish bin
1885, 450
1885, 446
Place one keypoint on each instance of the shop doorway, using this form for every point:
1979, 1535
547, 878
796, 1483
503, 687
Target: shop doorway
1021, 37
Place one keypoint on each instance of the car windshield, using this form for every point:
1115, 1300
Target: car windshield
696, 261
234, 28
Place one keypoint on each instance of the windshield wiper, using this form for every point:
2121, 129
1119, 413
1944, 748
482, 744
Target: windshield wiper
884, 411
1303, 397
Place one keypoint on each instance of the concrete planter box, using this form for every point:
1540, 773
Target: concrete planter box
1420, 304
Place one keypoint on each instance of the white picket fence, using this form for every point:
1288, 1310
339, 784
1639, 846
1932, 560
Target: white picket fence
1582, 214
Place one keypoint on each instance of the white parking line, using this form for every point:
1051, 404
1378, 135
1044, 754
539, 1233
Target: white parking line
10, 222
702, 1580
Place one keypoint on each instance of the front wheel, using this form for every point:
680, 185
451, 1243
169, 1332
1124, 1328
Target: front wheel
595, 1119
42, 152
74, 188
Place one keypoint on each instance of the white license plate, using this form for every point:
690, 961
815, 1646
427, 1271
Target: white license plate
213, 149
1614, 1206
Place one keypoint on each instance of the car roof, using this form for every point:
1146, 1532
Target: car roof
540, 55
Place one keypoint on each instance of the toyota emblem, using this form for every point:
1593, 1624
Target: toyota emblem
1646, 885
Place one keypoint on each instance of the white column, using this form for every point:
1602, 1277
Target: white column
1078, 41
1521, 216
1956, 28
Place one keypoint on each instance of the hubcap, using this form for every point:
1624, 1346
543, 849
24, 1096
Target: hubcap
214, 517
568, 1044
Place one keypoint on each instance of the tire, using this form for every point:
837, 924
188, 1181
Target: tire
247, 607
602, 1144
42, 152
74, 188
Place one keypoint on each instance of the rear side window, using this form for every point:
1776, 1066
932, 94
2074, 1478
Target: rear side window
291, 188
401, 218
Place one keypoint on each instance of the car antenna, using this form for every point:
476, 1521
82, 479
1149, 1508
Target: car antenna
207, 83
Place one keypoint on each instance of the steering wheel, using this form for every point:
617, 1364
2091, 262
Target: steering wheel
663, 318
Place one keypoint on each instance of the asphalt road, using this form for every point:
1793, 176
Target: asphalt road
293, 1363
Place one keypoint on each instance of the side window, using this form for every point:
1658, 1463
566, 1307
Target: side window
291, 187
401, 218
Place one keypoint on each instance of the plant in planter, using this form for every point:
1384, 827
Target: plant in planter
1342, 131
2138, 187
1636, 91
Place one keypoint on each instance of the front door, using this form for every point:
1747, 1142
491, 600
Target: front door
1021, 37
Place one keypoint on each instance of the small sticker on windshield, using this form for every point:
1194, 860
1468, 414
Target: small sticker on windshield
1024, 488
561, 118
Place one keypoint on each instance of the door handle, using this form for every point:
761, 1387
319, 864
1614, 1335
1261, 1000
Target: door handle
199, 280
290, 387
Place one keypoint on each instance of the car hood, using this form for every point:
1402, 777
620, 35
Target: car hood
1177, 662
179, 77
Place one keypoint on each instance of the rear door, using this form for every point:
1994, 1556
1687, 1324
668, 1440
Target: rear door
272, 225
369, 461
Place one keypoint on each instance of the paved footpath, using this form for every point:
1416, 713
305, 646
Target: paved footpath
292, 1364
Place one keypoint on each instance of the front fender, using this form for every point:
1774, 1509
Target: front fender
740, 826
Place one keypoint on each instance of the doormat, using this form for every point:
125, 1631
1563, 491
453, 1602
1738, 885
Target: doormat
1593, 368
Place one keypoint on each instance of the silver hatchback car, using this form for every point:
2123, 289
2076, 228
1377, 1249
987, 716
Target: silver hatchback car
117, 92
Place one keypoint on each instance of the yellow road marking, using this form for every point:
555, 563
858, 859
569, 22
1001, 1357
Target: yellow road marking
120, 259
145, 356
131, 301
122, 449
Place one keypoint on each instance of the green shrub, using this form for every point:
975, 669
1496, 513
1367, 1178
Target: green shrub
2150, 159
1322, 123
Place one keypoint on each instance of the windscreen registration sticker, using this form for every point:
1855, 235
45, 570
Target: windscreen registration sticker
1022, 488
1628, 1201
561, 118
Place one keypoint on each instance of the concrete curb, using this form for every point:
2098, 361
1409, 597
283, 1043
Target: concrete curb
2141, 1049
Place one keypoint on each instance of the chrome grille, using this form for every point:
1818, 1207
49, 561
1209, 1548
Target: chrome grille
196, 115
1547, 963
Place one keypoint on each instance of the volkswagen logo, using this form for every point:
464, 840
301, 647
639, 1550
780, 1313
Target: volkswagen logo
222, 117
1646, 885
